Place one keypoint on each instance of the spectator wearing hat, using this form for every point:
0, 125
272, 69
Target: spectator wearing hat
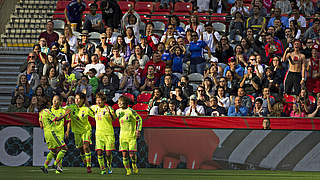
237, 109
99, 67
49, 34
93, 21
210, 36
235, 68
111, 13
73, 12
194, 109
89, 47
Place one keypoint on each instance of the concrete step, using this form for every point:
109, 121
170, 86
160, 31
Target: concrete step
7, 89
8, 79
9, 73
8, 83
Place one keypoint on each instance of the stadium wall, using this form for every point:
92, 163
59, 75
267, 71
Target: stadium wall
22, 144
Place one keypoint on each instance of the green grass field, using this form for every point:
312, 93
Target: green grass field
34, 173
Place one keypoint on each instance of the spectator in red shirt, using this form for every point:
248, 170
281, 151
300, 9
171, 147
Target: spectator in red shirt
49, 34
272, 47
152, 39
157, 63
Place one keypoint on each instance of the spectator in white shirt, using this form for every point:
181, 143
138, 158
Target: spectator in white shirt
193, 109
210, 36
96, 65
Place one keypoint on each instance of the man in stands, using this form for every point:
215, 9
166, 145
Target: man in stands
245, 100
174, 78
268, 102
313, 31
299, 18
49, 34
296, 75
157, 63
273, 47
111, 13
73, 12
93, 21
100, 68
215, 109
32, 76
277, 15
130, 81
111, 38
237, 109
257, 22
316, 112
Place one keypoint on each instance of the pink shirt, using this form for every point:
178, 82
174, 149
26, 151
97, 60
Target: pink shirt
293, 114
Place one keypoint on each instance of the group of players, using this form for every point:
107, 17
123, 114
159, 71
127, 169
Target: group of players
52, 121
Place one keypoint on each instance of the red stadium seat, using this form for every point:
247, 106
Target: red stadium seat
125, 5
140, 107
289, 98
221, 17
144, 97
162, 16
183, 7
59, 16
143, 7
312, 99
61, 5
252, 98
183, 16
130, 96
156, 8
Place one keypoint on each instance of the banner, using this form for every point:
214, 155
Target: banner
181, 148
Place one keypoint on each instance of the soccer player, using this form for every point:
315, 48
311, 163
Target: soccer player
104, 115
129, 132
52, 122
81, 128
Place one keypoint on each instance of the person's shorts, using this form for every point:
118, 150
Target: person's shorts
127, 144
80, 139
105, 142
54, 140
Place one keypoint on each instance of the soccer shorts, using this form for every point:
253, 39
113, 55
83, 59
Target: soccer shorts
54, 140
105, 142
128, 144
79, 139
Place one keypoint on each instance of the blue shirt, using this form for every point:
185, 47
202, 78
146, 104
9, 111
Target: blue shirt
239, 70
196, 49
177, 62
165, 56
284, 21
75, 10
243, 111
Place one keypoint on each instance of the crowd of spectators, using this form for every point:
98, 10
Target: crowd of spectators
276, 57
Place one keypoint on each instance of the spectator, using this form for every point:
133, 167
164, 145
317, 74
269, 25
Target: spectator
231, 83
240, 58
52, 61
140, 56
296, 75
33, 107
303, 100
93, 80
174, 78
267, 100
130, 81
202, 97
117, 61
297, 111
212, 72
85, 88
18, 106
64, 88
52, 75
179, 98
43, 45
61, 57
306, 7
93, 21
167, 86
102, 59
195, 25
223, 100
178, 57
316, 110
210, 36
111, 13
272, 82
131, 19
152, 39
20, 91
262, 10
214, 109
89, 47
250, 82
173, 109
295, 29
187, 89
197, 61
105, 48
130, 39
124, 49
237, 109
235, 68
277, 16
258, 110
278, 70
113, 78
256, 21
156, 98
170, 33
27, 88
238, 7
194, 109
150, 81
175, 21
313, 31
79, 61
49, 34
73, 13
162, 109
107, 88
32, 76
278, 110
42, 98
284, 5
99, 67
272, 47
245, 100
71, 38
145, 47
223, 83
237, 26
209, 87
278, 30
299, 18
157, 63
266, 124
64, 48
224, 51
313, 80
306, 50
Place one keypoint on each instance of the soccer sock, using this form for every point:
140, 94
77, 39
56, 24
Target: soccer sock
109, 160
83, 157
101, 162
50, 156
134, 161
126, 163
60, 156
88, 159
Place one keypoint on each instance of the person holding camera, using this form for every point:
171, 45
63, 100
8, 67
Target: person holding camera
130, 81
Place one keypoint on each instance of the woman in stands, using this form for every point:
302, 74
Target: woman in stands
231, 83
34, 105
52, 75
209, 87
156, 97
130, 38
295, 30
223, 100
27, 88
71, 38
43, 45
173, 109
195, 25
240, 57
237, 26
224, 51
247, 49
124, 49
278, 110
177, 58
42, 98
162, 109
79, 61
303, 100
175, 21
140, 56
297, 111
52, 61
131, 19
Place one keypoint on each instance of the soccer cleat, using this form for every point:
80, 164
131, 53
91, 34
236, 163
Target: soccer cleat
58, 172
109, 170
128, 172
135, 170
57, 168
103, 172
44, 170
89, 169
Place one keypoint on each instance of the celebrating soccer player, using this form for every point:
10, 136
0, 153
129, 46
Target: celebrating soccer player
82, 129
104, 115
52, 122
129, 131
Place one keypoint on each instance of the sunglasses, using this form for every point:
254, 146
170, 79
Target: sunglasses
31, 56
103, 38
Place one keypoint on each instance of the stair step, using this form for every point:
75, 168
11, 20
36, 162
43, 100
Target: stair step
8, 79
12, 83
9, 73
